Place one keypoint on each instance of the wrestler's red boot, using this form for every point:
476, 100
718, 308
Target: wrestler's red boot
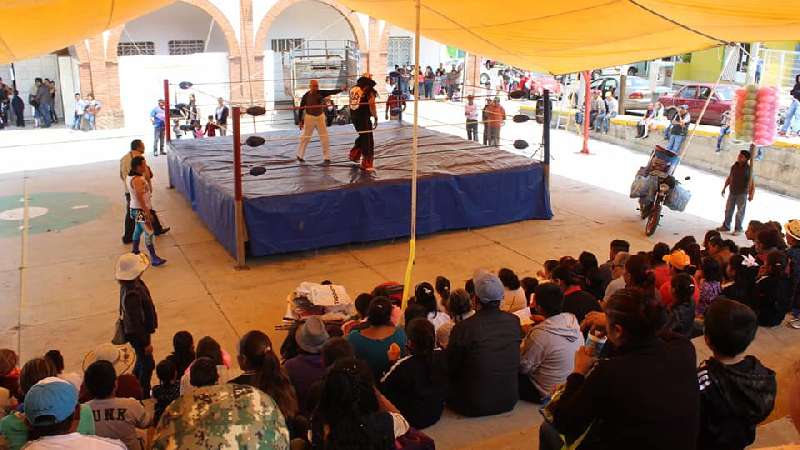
366, 165
355, 154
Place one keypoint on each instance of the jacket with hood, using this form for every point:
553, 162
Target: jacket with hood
548, 352
733, 400
795, 92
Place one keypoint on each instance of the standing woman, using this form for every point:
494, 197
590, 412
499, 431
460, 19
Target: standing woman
138, 313
362, 110
141, 204
771, 295
429, 78
193, 116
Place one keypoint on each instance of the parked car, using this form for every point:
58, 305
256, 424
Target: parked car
637, 91
695, 95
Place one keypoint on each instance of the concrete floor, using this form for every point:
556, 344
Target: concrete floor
57, 287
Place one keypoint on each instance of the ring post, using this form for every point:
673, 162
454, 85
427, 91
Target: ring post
167, 129
548, 113
587, 109
237, 189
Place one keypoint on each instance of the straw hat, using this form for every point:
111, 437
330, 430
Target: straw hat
131, 265
792, 228
122, 357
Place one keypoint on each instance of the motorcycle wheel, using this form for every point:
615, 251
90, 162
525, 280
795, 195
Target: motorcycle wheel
653, 219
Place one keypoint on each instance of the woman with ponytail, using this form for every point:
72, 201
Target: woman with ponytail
771, 295
417, 384
443, 292
740, 279
262, 369
645, 393
351, 414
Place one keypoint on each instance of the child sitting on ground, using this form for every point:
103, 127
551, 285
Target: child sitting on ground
168, 390
114, 417
736, 391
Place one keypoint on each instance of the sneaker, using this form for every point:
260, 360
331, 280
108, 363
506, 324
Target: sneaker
723, 229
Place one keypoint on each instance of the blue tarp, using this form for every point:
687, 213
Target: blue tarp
295, 207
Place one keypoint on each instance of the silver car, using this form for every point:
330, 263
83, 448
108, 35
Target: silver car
637, 91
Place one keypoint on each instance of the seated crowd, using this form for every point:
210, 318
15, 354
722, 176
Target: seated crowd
604, 348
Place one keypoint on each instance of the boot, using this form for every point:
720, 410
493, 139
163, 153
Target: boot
135, 249
154, 259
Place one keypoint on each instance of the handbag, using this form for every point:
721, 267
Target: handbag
119, 328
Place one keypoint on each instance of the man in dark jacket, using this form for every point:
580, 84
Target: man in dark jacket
138, 313
736, 392
483, 355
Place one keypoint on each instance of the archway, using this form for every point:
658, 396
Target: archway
291, 24
187, 40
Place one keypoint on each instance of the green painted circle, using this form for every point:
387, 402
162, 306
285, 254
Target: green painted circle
58, 211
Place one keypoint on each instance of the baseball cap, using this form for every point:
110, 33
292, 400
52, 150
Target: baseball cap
678, 259
488, 286
50, 401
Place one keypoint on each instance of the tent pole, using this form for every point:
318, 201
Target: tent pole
587, 109
548, 117
167, 129
238, 214
412, 243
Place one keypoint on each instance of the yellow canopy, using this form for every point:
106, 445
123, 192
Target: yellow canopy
563, 36
35, 27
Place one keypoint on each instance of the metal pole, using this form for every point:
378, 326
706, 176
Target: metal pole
546, 137
237, 187
412, 243
166, 112
587, 105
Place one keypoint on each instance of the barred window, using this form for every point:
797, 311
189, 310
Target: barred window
186, 46
136, 48
286, 45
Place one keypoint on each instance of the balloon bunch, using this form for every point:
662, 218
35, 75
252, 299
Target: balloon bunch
755, 118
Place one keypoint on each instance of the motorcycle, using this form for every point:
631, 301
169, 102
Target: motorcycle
656, 187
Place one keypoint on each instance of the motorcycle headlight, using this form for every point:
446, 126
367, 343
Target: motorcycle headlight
664, 187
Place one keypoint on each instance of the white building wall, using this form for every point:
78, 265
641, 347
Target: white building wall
260, 9
231, 10
27, 71
141, 83
309, 20
69, 76
177, 21
431, 52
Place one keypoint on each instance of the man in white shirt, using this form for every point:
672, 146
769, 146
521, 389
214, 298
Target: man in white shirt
617, 274
471, 113
51, 408
80, 106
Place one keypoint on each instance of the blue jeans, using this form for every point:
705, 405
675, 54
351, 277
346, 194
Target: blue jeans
790, 113
138, 218
428, 88
738, 202
45, 114
667, 130
675, 141
158, 138
89, 121
76, 122
143, 368
607, 121
722, 133
598, 121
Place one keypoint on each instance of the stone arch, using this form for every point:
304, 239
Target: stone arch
219, 18
281, 5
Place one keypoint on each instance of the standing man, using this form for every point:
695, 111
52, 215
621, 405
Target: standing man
794, 108
19, 109
471, 113
137, 149
51, 87
221, 116
724, 128
80, 106
496, 120
362, 110
157, 118
742, 190
485, 120
680, 124
44, 103
312, 107
452, 82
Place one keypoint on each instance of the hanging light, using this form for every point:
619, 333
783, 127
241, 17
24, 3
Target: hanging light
185, 85
256, 110
521, 118
516, 95
520, 144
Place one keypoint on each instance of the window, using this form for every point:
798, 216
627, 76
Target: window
689, 92
186, 46
400, 51
705, 92
136, 48
286, 45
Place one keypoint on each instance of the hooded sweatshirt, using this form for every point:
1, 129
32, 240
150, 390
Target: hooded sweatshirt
548, 353
795, 92
733, 400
